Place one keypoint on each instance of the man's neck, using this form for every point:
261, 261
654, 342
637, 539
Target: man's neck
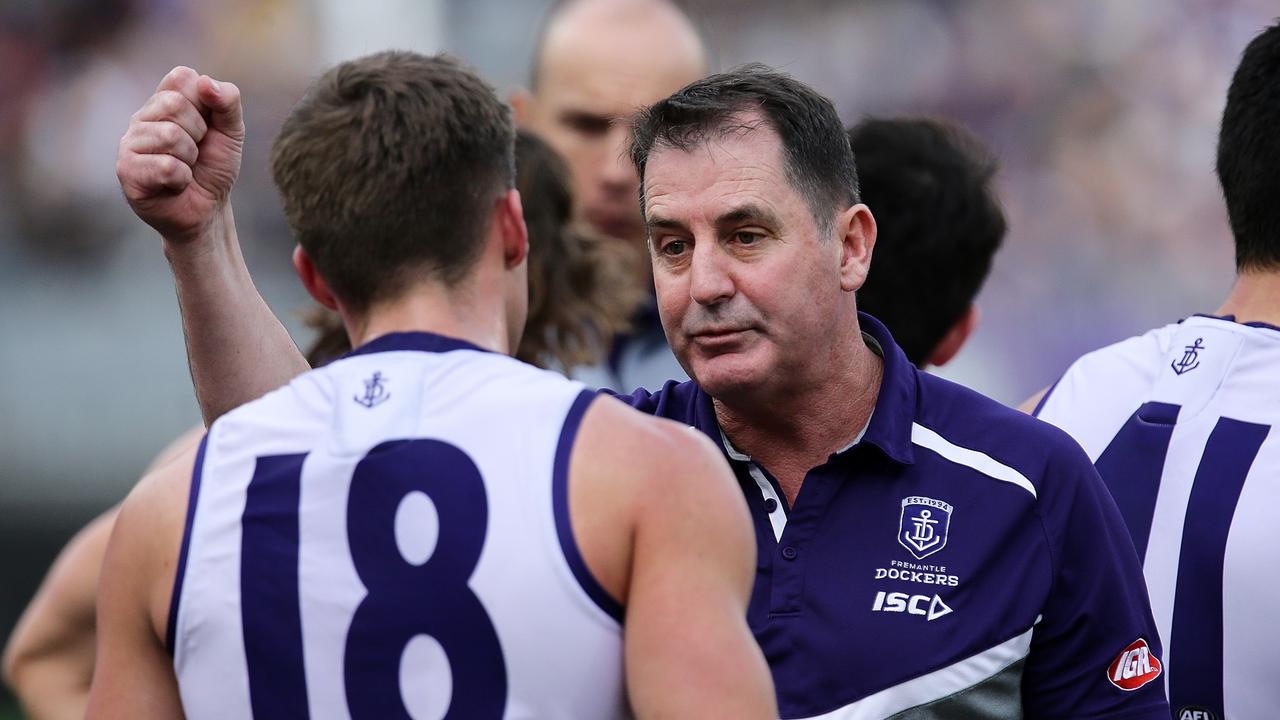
794, 432
454, 313
1254, 298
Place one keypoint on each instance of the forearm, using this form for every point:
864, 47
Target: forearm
53, 688
237, 348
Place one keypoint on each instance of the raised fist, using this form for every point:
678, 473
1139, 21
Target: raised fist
181, 154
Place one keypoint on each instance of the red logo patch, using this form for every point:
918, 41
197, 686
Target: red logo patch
1136, 666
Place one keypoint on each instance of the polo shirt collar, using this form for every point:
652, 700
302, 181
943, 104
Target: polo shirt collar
890, 425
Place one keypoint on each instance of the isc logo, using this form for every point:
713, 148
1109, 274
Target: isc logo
1195, 713
897, 602
1134, 667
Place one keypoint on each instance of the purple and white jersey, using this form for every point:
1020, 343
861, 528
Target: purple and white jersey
388, 536
1179, 424
958, 560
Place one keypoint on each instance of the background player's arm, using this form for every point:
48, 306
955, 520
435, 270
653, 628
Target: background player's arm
680, 553
176, 165
1028, 406
49, 659
134, 677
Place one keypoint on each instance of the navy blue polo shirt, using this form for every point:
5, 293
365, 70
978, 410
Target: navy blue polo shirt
960, 558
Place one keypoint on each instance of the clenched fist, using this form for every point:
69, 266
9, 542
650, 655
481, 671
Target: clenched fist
181, 154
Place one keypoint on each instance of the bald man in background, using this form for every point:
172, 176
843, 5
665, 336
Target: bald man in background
595, 64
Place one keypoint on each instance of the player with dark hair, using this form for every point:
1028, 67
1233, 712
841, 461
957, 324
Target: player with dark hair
938, 227
578, 294
424, 526
892, 509
1180, 423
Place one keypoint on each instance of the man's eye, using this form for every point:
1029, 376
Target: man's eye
673, 248
591, 125
746, 237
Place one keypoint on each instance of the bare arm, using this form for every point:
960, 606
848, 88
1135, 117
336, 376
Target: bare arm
49, 659
176, 165
689, 650
134, 677
667, 533
237, 349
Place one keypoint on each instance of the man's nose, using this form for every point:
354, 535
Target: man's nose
710, 279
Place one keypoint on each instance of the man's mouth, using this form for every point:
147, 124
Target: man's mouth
720, 336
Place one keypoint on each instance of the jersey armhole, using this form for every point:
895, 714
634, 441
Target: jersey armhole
560, 503
171, 631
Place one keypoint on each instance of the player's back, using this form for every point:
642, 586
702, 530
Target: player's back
391, 533
1179, 424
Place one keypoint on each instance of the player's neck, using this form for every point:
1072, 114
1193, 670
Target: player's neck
1255, 297
462, 313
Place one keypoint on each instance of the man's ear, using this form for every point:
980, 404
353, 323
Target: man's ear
522, 106
856, 231
509, 217
955, 338
311, 280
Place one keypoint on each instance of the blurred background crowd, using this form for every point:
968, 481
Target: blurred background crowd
1103, 116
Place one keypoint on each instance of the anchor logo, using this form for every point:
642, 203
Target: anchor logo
1190, 358
374, 392
923, 525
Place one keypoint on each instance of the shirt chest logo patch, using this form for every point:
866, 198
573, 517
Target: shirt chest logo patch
922, 528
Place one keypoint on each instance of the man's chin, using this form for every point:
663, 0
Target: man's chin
727, 374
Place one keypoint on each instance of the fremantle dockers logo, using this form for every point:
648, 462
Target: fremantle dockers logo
1190, 359
375, 392
923, 526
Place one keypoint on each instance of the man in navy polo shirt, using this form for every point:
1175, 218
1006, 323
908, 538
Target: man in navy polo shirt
922, 548
925, 552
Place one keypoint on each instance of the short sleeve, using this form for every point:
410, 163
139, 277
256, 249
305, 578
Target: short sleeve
1095, 652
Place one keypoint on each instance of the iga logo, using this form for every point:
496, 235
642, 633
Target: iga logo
897, 602
1136, 666
1191, 712
922, 529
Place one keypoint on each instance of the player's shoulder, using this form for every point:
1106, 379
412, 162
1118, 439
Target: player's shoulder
1105, 386
1134, 360
150, 524
164, 488
642, 444
656, 467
